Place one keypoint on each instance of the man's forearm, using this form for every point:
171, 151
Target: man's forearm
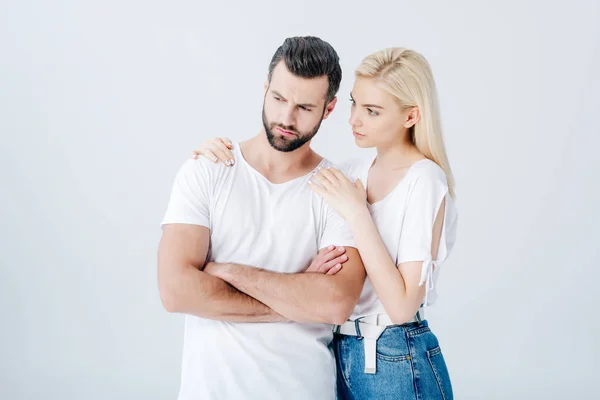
206, 296
303, 297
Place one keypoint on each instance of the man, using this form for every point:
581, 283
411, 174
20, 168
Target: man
237, 242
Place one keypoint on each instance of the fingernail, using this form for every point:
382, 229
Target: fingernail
344, 257
214, 159
340, 248
227, 162
231, 162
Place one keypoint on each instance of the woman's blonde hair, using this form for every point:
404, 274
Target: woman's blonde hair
407, 76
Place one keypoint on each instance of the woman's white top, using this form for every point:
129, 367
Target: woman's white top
404, 219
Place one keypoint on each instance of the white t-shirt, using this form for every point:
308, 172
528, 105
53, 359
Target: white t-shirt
278, 227
405, 219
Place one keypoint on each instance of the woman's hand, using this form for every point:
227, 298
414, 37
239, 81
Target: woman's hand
216, 149
347, 198
329, 261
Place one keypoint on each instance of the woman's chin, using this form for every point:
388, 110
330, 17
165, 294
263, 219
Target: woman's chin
363, 144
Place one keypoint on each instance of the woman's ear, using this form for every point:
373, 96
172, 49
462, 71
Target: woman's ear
412, 117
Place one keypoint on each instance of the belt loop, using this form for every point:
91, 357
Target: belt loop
358, 335
418, 316
336, 328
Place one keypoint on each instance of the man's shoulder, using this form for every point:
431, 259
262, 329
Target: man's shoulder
327, 163
203, 169
353, 168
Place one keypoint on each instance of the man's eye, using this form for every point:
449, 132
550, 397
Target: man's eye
305, 108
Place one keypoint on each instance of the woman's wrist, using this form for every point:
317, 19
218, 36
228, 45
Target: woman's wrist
359, 218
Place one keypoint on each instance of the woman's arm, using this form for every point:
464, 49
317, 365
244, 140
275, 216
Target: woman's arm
399, 287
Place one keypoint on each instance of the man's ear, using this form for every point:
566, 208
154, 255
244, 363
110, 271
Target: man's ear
329, 108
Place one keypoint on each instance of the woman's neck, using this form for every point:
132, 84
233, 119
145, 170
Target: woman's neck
400, 155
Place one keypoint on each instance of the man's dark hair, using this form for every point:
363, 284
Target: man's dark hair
310, 57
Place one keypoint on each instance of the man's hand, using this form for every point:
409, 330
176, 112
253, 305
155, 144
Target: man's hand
328, 261
301, 297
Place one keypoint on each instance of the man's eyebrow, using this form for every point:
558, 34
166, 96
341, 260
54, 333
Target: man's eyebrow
276, 93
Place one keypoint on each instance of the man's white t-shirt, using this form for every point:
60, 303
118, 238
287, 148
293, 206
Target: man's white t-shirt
405, 219
278, 227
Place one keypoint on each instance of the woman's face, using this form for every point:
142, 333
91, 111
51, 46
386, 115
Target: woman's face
376, 117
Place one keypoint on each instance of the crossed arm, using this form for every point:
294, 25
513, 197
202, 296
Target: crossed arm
238, 293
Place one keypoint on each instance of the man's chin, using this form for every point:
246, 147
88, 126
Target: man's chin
284, 148
280, 143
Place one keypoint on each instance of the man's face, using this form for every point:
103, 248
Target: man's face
294, 108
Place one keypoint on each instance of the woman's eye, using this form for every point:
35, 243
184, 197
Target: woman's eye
372, 113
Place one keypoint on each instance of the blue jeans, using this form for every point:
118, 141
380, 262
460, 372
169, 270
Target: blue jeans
410, 365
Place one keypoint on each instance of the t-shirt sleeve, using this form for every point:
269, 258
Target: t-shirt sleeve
425, 199
336, 232
190, 196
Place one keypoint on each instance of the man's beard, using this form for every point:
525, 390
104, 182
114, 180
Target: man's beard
282, 143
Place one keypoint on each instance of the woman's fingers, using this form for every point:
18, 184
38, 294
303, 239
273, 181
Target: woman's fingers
226, 141
221, 150
223, 145
204, 153
319, 190
320, 179
339, 175
217, 151
329, 176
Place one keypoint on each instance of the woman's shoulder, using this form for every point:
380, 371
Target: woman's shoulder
429, 171
430, 185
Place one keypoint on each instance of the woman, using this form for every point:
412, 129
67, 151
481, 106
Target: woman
404, 222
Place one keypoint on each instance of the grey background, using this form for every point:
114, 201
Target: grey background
101, 102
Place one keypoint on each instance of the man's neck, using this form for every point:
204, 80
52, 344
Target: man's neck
275, 165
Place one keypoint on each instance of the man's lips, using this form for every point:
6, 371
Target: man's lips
284, 132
